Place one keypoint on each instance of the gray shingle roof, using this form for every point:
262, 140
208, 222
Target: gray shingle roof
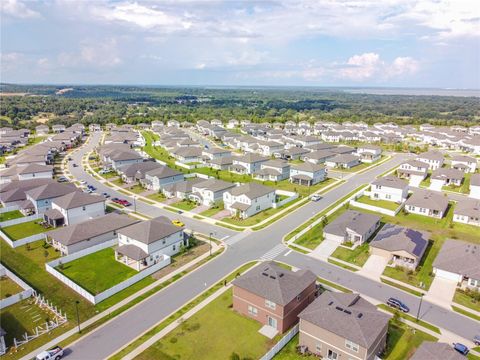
475, 180
347, 315
85, 230
131, 251
392, 182
308, 167
428, 200
468, 207
274, 283
51, 190
252, 190
151, 231
432, 350
77, 199
353, 220
459, 257
396, 238
163, 172
250, 158
214, 185
444, 174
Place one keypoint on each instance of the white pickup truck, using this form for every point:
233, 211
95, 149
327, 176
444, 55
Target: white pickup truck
54, 353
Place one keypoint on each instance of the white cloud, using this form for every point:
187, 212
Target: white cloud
402, 66
96, 54
17, 9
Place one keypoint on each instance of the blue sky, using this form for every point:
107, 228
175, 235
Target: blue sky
434, 43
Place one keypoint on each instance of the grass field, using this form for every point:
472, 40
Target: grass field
157, 197
213, 210
462, 298
463, 189
10, 215
215, 332
137, 189
8, 287
389, 205
357, 256
20, 231
402, 341
185, 205
98, 271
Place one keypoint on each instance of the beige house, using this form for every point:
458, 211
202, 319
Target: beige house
343, 326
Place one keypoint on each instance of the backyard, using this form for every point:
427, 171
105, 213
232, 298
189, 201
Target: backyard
215, 332
389, 205
8, 287
464, 188
137, 189
10, 215
20, 231
98, 271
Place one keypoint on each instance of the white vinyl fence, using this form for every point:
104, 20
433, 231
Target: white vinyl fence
20, 242
291, 196
20, 220
283, 341
378, 209
14, 298
95, 299
8, 209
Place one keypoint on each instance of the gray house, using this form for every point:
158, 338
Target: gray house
157, 178
352, 226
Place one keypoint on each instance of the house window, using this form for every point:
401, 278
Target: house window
258, 208
351, 345
270, 304
163, 241
388, 196
298, 297
252, 310
173, 247
318, 347
83, 208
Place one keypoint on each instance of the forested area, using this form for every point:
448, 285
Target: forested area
128, 104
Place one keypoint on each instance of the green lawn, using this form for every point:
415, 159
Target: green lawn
410, 318
8, 287
118, 182
20, 231
389, 205
213, 210
215, 332
185, 205
463, 189
462, 298
358, 256
98, 271
257, 218
10, 215
403, 341
289, 351
137, 189
157, 197
427, 181
157, 152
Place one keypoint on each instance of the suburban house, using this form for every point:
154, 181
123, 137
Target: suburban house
467, 164
293, 153
42, 130
159, 177
136, 172
189, 154
222, 163
273, 170
475, 186
216, 153
31, 171
207, 192
58, 128
389, 188
122, 158
73, 208
467, 212
319, 156
145, 243
41, 197
272, 295
429, 350
433, 158
413, 169
369, 153
343, 161
14, 192
445, 177
343, 326
307, 174
428, 203
73, 238
402, 246
459, 261
248, 163
248, 199
352, 226
181, 189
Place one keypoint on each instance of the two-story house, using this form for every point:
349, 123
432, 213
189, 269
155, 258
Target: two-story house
209, 191
272, 295
413, 169
159, 177
433, 158
248, 199
41, 197
273, 170
145, 243
248, 163
389, 188
343, 326
307, 174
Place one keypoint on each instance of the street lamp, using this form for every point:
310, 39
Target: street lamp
78, 317
419, 306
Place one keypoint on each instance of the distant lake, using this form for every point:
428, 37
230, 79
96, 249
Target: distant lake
406, 91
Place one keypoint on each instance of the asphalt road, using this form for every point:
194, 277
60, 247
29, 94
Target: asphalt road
243, 247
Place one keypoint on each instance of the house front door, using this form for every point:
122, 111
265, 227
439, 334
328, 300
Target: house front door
272, 322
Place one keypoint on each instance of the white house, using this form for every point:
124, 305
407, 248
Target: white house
433, 158
248, 163
343, 161
73, 208
459, 261
389, 188
475, 186
157, 178
467, 212
209, 191
352, 226
307, 174
273, 170
248, 199
145, 243
445, 177
369, 153
427, 203
41, 197
464, 163
412, 169
28, 172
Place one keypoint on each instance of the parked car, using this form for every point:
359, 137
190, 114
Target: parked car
91, 187
75, 165
62, 179
476, 340
315, 197
69, 158
177, 222
106, 195
462, 349
83, 182
397, 304
122, 202
54, 353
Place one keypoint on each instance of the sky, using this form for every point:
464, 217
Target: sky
375, 43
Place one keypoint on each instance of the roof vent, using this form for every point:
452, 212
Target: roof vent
281, 275
272, 277
330, 303
347, 312
338, 308
359, 315
265, 274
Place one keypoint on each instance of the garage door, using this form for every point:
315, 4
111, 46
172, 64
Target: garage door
448, 275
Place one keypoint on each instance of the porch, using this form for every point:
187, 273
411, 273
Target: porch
299, 179
132, 256
54, 218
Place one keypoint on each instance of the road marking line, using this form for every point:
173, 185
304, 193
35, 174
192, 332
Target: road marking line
225, 237
288, 252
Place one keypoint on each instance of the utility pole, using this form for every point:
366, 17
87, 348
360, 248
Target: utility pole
419, 306
78, 317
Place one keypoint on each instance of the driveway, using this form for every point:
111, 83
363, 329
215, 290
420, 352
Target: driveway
441, 292
436, 186
199, 209
415, 181
374, 267
324, 250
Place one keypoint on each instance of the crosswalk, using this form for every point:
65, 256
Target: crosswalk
273, 253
